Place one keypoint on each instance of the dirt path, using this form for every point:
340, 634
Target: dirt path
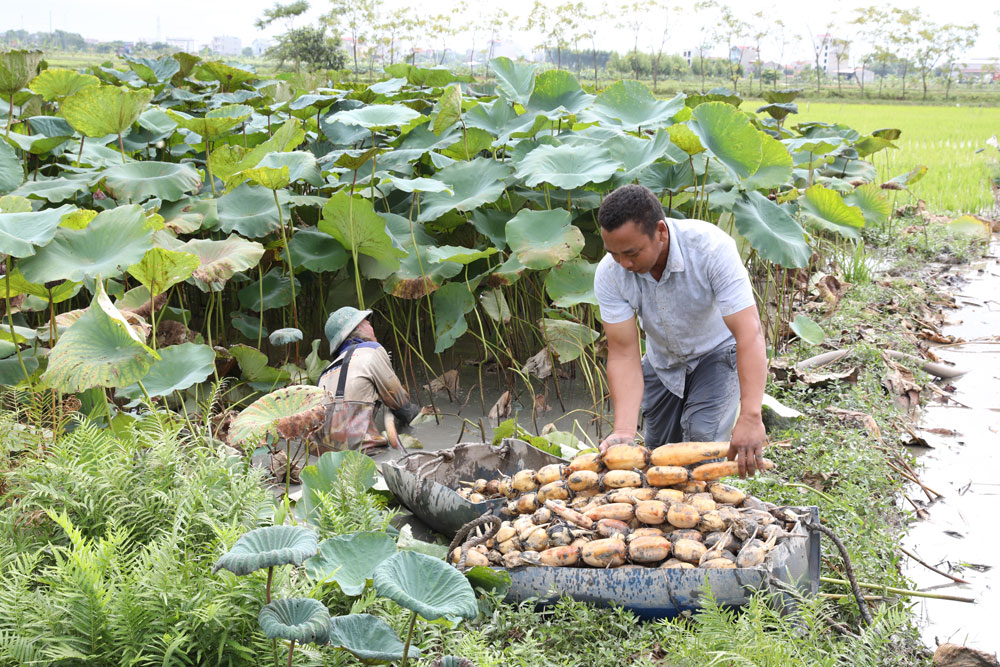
960, 533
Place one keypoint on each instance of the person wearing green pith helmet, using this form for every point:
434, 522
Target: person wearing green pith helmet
359, 379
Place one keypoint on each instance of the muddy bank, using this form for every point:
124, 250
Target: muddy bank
958, 534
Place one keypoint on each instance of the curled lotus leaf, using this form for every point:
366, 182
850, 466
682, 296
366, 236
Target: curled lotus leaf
772, 232
426, 585
17, 68
303, 620
221, 259
270, 546
21, 232
567, 166
557, 92
631, 105
827, 210
376, 116
571, 283
472, 184
871, 199
568, 340
368, 638
139, 181
543, 239
515, 81
261, 417
179, 367
153, 70
728, 135
315, 250
350, 559
285, 336
215, 123
97, 111
230, 78
11, 173
253, 364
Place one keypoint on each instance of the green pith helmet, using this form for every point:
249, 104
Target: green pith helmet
341, 323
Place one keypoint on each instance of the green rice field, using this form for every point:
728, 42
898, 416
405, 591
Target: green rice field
945, 138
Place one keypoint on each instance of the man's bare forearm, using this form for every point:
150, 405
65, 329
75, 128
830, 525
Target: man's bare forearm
626, 385
751, 367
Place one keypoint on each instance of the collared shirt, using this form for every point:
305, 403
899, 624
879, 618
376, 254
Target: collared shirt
681, 313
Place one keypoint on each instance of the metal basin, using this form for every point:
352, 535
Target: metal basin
425, 481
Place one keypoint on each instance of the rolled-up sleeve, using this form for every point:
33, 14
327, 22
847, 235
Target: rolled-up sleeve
730, 280
614, 307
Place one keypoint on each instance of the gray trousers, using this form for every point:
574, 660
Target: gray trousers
707, 412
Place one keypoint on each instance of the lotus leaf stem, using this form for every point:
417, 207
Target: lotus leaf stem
121, 147
291, 274
291, 649
409, 637
10, 323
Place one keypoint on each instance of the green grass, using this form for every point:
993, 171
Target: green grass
944, 138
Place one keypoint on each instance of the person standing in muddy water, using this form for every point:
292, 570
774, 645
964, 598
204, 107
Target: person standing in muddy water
705, 360
359, 379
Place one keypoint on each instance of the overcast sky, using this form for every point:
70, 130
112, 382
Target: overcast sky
200, 20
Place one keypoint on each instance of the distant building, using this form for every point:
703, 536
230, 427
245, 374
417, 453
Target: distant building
182, 44
260, 46
834, 55
745, 56
980, 69
688, 56
227, 45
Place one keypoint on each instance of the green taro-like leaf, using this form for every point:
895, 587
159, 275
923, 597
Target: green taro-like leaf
571, 283
426, 585
18, 285
871, 199
432, 77
219, 260
515, 81
376, 116
567, 340
161, 269
317, 251
350, 559
228, 160
115, 240
270, 546
448, 109
450, 253
11, 172
782, 96
451, 303
727, 133
17, 68
301, 165
685, 139
261, 417
231, 78
771, 231
474, 142
251, 211
303, 620
368, 638
631, 106
474, 183
10, 368
319, 479
556, 92
100, 349
543, 239
179, 367
14, 204
866, 146
566, 166
153, 70
779, 111
215, 123
826, 209
97, 111
495, 305
139, 181
775, 165
807, 330
53, 189
21, 233
636, 154
277, 290
353, 222
248, 325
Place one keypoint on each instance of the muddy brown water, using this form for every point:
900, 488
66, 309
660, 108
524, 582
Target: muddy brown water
960, 532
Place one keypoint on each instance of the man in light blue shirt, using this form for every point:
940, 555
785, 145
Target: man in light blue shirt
705, 358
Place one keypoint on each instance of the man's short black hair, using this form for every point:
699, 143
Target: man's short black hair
631, 202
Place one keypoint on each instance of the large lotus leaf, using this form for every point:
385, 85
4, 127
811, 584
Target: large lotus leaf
451, 303
253, 364
567, 166
161, 269
637, 154
11, 172
301, 166
261, 417
543, 239
215, 123
97, 111
251, 211
115, 240
462, 255
782, 96
285, 336
571, 283
271, 178
139, 181
772, 232
11, 373
231, 159
567, 340
631, 106
153, 70
779, 111
319, 479
420, 184
492, 224
432, 77
55, 83
377, 116
473, 183
277, 289
727, 133
368, 638
303, 620
807, 330
14, 204
826, 209
36, 144
100, 349
495, 305
317, 251
53, 189
17, 68
557, 91
775, 167
353, 222
22, 232
420, 273
426, 585
871, 199
515, 81
179, 367
221, 259
270, 546
18, 285
230, 78
685, 138
492, 117
350, 559
473, 142
448, 109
